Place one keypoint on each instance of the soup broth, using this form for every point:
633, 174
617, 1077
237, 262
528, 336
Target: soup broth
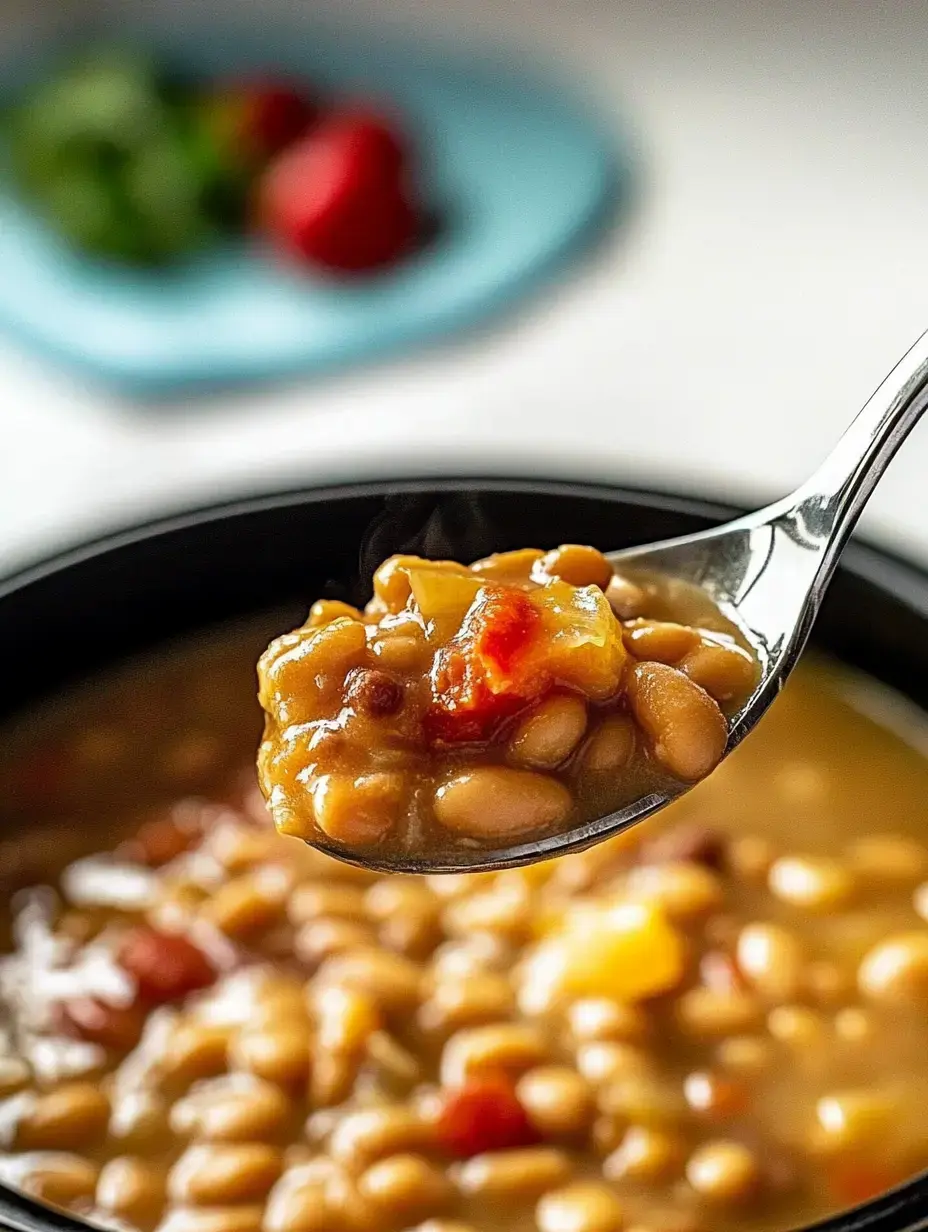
718, 1021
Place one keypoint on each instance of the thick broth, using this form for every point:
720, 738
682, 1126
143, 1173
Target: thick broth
476, 706
326, 1051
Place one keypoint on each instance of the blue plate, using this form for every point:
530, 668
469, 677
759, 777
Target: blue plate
518, 171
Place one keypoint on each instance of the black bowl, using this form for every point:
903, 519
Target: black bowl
92, 606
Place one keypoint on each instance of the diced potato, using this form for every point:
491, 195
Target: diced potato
582, 642
626, 951
392, 582
443, 598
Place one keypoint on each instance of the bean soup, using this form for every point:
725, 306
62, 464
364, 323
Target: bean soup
716, 1022
484, 705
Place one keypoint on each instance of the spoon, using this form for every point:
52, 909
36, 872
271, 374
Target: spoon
766, 571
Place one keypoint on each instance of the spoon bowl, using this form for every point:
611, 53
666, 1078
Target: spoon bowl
766, 572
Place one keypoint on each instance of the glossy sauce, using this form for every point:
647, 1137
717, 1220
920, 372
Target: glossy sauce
474, 707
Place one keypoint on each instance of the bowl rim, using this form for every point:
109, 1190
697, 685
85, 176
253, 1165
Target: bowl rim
886, 568
900, 1209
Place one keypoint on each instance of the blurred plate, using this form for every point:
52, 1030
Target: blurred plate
518, 170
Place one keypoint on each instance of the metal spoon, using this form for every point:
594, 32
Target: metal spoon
766, 571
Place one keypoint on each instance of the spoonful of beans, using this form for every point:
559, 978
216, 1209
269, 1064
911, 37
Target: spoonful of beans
533, 703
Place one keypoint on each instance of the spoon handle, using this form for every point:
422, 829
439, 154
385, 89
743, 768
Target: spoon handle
829, 503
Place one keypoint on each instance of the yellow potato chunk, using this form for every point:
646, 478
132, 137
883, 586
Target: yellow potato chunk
626, 951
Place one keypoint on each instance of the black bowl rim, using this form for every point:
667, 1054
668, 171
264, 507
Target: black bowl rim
899, 1209
891, 571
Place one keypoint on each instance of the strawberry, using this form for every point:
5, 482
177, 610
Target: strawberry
258, 119
338, 199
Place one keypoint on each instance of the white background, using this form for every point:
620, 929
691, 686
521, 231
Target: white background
776, 268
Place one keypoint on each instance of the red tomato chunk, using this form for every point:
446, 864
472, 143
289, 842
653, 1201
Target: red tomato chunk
166, 967
483, 676
484, 1115
115, 1027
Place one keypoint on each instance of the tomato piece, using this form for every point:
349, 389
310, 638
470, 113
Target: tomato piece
165, 966
339, 198
484, 1115
115, 1027
449, 722
485, 674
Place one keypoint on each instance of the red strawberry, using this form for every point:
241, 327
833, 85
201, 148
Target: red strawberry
338, 198
258, 119
370, 139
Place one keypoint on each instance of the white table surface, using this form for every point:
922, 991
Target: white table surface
775, 270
